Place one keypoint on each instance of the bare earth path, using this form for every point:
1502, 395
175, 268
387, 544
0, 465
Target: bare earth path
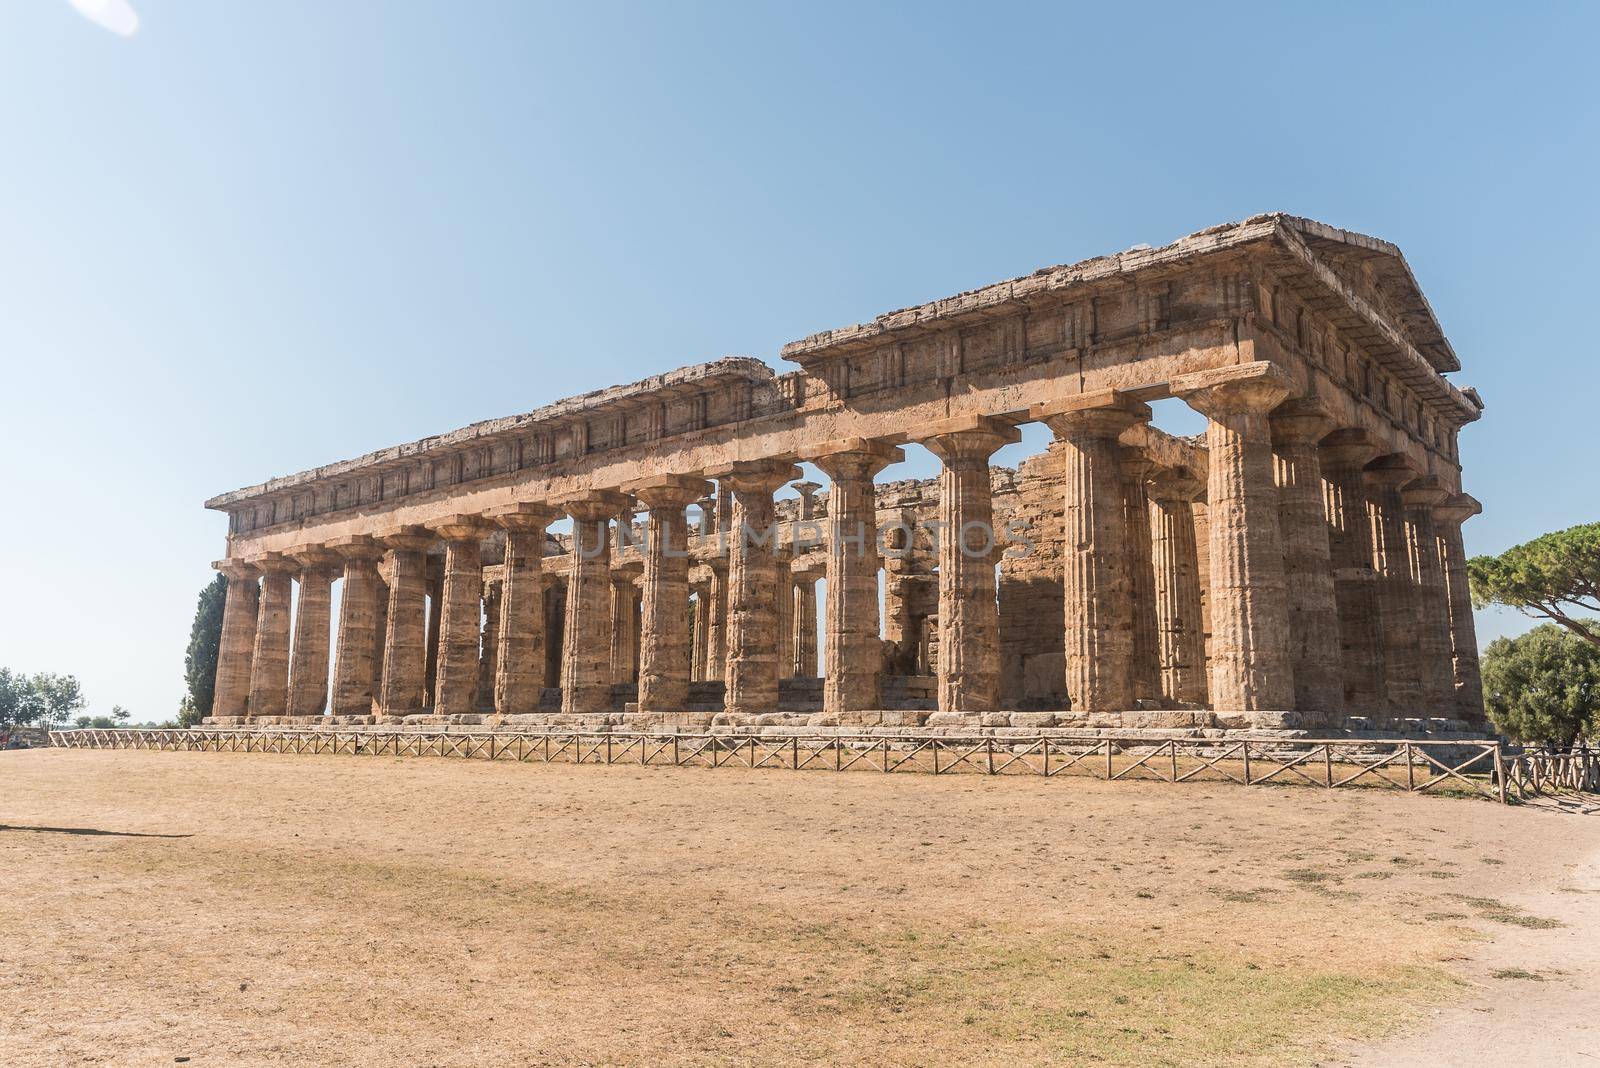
248, 909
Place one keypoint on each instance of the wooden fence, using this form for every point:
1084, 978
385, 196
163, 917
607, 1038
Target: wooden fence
1480, 768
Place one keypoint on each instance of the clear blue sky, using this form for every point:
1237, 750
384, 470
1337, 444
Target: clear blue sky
256, 237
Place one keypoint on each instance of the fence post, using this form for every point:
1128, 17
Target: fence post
1245, 746
1500, 771
1411, 769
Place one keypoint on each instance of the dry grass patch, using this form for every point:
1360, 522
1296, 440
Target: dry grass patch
370, 912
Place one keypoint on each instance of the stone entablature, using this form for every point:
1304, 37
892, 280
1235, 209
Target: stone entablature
1299, 563
1262, 289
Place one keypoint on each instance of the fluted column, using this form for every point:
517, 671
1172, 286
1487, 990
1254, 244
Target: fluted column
430, 670
851, 640
1434, 665
805, 624
489, 643
969, 614
1398, 619
313, 620
461, 614
269, 665
1314, 645
785, 601
1097, 588
240, 609
1344, 455
359, 651
665, 655
1176, 564
586, 646
1135, 469
624, 640
520, 636
404, 643
1250, 666
751, 635
699, 621
716, 660
1463, 630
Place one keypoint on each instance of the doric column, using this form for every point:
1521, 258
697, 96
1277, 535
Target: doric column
1463, 631
1314, 647
708, 514
1135, 469
751, 635
784, 593
269, 665
461, 616
430, 670
1176, 564
237, 648
489, 643
716, 660
665, 656
586, 645
969, 614
1202, 556
1344, 454
805, 624
1434, 662
808, 499
1250, 666
1397, 594
624, 596
360, 648
313, 619
1096, 586
519, 639
852, 642
404, 643
699, 621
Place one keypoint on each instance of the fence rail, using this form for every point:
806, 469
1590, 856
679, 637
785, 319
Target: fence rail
1481, 768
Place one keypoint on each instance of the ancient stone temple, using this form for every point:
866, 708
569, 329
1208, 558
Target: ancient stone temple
1299, 566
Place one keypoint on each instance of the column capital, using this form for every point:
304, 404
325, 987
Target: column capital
1102, 413
1134, 463
357, 547
808, 494
669, 491
1350, 445
237, 570
758, 476
595, 505
524, 516
1392, 469
1174, 485
967, 438
626, 569
275, 563
1457, 509
314, 558
409, 539
1248, 387
460, 527
1299, 421
1425, 492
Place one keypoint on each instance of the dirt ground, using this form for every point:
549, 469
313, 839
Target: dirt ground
244, 909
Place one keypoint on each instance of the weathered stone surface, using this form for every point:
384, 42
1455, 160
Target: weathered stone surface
664, 655
752, 622
1097, 585
1250, 666
308, 669
1314, 648
1099, 576
851, 637
236, 649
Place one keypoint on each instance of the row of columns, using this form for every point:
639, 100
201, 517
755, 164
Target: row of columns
1333, 577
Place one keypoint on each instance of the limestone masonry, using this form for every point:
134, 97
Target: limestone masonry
1300, 566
